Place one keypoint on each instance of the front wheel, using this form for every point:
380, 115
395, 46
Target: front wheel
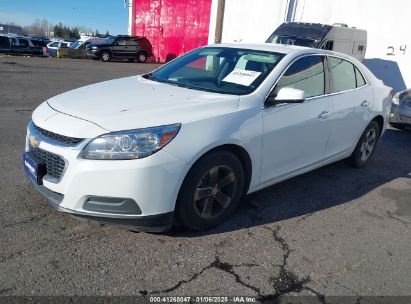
366, 146
211, 191
105, 56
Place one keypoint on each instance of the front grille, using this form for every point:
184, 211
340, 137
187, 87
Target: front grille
54, 163
59, 138
405, 119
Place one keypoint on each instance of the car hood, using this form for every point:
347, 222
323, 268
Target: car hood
135, 102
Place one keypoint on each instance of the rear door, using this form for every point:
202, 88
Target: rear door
132, 47
119, 49
352, 100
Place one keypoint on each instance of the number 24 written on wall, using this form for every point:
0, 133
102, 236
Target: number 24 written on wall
391, 50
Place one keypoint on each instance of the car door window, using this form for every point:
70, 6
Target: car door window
24, 42
54, 44
121, 42
359, 78
342, 75
131, 42
306, 74
63, 45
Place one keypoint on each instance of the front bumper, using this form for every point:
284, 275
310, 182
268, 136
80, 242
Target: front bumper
140, 192
401, 114
93, 53
153, 223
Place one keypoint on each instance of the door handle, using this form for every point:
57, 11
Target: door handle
365, 103
324, 115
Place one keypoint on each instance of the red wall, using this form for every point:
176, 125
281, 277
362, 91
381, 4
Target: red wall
173, 27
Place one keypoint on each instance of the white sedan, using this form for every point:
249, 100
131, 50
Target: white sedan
187, 141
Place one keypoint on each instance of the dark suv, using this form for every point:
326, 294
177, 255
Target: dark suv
121, 47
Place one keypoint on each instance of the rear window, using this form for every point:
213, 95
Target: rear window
38, 43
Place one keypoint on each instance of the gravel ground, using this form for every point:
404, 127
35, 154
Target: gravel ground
336, 231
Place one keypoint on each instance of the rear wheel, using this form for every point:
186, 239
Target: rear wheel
142, 57
105, 56
211, 191
366, 146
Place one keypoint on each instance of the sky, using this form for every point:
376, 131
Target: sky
98, 15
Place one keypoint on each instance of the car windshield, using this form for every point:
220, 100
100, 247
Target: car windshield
75, 44
110, 40
218, 69
292, 40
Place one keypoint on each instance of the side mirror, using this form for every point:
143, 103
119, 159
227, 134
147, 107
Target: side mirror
287, 95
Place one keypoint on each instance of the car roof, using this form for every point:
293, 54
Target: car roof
270, 47
283, 49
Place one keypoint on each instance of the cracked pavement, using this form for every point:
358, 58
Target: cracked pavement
336, 231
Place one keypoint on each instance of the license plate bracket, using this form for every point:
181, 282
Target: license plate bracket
34, 168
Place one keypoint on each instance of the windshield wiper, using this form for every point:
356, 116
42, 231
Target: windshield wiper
149, 76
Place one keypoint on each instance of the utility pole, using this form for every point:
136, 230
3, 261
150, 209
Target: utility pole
219, 22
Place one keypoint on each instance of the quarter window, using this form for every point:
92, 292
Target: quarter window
342, 75
359, 78
306, 74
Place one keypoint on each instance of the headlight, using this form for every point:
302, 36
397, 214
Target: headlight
396, 98
130, 144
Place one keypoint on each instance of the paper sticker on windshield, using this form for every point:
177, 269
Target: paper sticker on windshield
242, 77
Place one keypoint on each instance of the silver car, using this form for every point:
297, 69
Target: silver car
400, 116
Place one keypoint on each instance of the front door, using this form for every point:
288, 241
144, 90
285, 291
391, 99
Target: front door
295, 135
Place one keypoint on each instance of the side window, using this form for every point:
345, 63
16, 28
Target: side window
24, 42
342, 75
306, 74
121, 42
328, 45
63, 45
54, 44
360, 79
131, 42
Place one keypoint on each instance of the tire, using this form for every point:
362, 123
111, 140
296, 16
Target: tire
211, 191
105, 56
142, 57
366, 146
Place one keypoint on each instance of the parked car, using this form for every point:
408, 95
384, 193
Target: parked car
41, 43
121, 47
12, 44
400, 117
189, 139
55, 45
337, 37
83, 42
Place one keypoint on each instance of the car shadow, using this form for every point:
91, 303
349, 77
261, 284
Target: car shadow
324, 188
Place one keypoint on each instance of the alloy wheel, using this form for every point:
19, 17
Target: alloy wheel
368, 144
215, 191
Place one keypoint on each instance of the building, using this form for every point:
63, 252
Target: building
11, 29
177, 26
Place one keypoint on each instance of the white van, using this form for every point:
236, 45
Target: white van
337, 37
